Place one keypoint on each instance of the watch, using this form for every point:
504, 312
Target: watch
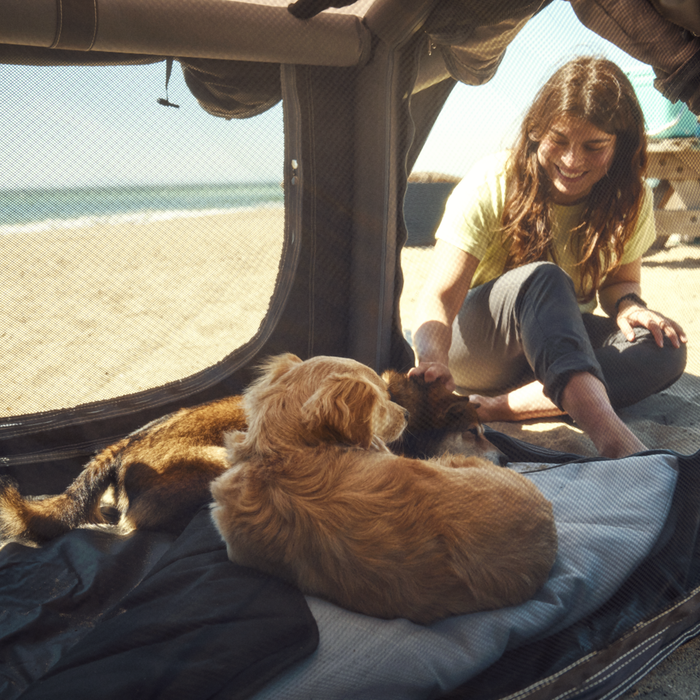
632, 297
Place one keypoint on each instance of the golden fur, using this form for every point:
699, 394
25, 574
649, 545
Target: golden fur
159, 476
314, 496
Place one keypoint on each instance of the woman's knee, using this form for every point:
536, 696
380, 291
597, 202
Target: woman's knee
667, 363
637, 370
545, 281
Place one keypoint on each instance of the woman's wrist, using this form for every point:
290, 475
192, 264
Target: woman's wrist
432, 343
633, 298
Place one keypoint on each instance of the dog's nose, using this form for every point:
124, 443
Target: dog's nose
406, 414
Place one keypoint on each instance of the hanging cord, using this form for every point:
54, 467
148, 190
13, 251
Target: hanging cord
168, 71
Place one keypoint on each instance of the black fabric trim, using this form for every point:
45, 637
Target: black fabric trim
632, 297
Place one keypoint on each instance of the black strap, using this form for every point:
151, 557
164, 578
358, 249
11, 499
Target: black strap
306, 9
168, 71
76, 24
632, 297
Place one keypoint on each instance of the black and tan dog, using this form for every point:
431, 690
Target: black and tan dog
160, 475
440, 421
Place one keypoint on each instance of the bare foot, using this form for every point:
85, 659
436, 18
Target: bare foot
586, 401
491, 408
526, 403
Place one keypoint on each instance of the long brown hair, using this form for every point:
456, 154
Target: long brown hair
596, 90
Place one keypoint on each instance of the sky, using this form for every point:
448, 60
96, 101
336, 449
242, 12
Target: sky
101, 126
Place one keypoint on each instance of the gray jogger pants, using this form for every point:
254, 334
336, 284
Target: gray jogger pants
526, 325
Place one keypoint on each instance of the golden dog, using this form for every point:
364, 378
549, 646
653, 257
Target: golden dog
159, 475
314, 496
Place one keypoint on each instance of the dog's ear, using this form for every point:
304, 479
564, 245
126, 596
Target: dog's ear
274, 367
340, 410
461, 414
394, 378
398, 384
408, 392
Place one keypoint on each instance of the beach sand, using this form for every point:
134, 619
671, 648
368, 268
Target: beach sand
100, 311
105, 310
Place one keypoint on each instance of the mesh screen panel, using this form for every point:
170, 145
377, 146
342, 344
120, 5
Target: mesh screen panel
140, 243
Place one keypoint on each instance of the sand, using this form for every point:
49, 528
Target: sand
105, 310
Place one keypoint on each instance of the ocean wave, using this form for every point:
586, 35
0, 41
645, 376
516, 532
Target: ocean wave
138, 217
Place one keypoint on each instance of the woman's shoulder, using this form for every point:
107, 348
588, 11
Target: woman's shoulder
487, 174
494, 164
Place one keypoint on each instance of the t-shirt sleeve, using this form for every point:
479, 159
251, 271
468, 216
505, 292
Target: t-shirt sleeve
645, 232
473, 211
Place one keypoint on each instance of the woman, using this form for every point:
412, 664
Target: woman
530, 242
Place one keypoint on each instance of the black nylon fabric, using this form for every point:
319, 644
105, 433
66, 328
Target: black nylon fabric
51, 597
125, 623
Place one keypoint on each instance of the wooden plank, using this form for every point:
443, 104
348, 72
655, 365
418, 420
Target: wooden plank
685, 222
671, 166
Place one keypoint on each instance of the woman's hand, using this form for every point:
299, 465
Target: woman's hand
632, 315
620, 284
432, 372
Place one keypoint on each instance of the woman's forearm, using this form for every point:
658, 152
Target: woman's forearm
432, 341
440, 301
609, 295
626, 279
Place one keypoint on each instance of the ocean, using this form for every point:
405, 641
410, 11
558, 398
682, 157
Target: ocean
44, 209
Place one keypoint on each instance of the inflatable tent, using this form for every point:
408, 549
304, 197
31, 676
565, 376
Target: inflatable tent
155, 615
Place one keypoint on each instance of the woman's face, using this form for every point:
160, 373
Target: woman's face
575, 155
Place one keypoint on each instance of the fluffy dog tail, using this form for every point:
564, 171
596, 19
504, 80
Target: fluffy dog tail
40, 519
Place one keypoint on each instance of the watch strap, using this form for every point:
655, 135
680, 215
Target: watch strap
631, 297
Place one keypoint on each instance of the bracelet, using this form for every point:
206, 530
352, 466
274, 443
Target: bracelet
632, 297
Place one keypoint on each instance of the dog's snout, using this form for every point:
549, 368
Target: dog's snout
406, 414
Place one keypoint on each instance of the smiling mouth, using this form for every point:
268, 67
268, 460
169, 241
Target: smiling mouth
570, 174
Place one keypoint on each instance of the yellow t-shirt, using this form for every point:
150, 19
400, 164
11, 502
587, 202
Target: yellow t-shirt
472, 223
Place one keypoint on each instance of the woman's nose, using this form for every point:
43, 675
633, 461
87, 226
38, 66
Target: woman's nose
572, 157
568, 157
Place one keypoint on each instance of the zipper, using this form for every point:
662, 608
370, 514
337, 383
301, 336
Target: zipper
83, 449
